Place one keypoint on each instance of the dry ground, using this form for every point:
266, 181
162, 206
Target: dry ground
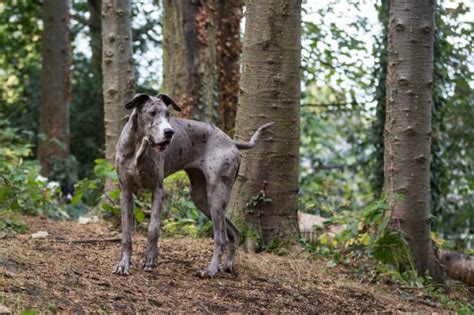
53, 274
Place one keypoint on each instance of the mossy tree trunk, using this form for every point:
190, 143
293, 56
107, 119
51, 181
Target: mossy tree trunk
55, 85
408, 126
201, 43
265, 196
117, 67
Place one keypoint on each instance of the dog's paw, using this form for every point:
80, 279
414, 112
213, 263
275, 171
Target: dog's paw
151, 260
227, 269
207, 273
150, 264
122, 267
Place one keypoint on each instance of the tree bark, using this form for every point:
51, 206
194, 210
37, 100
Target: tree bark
55, 85
229, 47
458, 266
408, 127
117, 66
377, 135
95, 24
264, 200
201, 44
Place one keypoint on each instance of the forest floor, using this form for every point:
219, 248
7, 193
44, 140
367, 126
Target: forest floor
53, 274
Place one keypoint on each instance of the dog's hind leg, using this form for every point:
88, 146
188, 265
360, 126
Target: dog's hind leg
217, 207
233, 235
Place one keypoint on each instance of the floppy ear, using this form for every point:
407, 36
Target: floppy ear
168, 101
133, 118
137, 100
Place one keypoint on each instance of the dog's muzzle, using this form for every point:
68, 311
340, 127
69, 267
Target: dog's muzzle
161, 146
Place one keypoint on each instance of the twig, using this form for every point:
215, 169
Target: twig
299, 252
88, 240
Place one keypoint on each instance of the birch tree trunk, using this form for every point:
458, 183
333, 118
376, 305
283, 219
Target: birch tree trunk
408, 126
117, 67
55, 85
201, 44
264, 200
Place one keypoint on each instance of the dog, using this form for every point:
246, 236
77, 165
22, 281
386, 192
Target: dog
152, 146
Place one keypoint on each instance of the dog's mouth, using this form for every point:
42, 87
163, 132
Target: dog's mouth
161, 146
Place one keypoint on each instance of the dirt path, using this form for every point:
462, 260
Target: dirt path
43, 274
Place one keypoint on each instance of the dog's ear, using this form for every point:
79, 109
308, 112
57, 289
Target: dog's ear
137, 100
169, 101
133, 118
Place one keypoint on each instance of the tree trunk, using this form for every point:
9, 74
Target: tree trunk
377, 135
264, 200
201, 44
229, 47
117, 66
95, 24
55, 85
408, 127
97, 112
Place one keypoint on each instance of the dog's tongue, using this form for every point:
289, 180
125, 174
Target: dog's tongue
161, 146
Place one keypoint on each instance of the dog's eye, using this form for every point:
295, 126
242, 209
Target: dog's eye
153, 113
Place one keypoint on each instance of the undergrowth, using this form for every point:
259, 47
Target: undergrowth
376, 254
24, 191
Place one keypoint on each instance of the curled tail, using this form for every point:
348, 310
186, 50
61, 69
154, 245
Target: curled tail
244, 145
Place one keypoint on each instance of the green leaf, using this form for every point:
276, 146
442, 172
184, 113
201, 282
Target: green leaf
77, 197
139, 216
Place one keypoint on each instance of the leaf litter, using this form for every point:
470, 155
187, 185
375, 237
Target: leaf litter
67, 273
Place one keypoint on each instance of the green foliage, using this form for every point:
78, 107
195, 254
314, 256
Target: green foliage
20, 62
21, 188
367, 243
452, 162
180, 216
180, 213
86, 116
392, 249
331, 178
10, 222
257, 201
377, 253
452, 190
20, 71
335, 113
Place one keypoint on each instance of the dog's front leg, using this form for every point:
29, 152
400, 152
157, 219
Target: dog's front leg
151, 251
126, 207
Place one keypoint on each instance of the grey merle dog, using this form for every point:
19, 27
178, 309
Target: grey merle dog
153, 145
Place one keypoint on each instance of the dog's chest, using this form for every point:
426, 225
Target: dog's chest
148, 172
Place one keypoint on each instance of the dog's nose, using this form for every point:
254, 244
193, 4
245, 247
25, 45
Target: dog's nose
168, 133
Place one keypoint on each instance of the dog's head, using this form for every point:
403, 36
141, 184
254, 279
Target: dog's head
151, 118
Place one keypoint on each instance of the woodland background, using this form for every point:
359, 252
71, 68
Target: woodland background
342, 117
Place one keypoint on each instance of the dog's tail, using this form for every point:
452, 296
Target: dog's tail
244, 145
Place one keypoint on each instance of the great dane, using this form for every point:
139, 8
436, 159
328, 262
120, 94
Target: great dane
153, 145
